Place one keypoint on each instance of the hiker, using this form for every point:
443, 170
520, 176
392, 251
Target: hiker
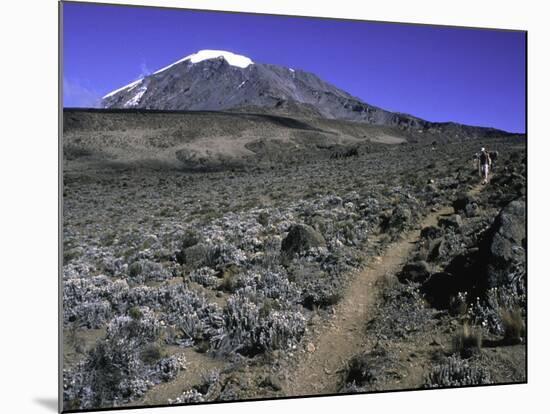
484, 163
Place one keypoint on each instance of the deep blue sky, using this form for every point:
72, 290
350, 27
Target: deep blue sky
470, 76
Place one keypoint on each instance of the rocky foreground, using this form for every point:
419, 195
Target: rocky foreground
183, 286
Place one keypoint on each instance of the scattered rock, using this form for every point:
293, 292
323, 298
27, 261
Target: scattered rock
463, 200
471, 210
431, 232
453, 221
452, 245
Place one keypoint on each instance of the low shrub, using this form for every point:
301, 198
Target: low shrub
135, 313
248, 332
152, 353
457, 372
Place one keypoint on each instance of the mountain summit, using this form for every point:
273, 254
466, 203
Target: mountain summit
221, 80
217, 80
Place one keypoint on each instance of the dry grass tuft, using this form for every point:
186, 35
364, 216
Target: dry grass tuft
468, 341
514, 326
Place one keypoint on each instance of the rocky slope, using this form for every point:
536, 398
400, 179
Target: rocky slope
455, 313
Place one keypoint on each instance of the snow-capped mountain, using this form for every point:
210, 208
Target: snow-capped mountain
220, 80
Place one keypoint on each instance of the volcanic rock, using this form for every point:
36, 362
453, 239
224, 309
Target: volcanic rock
415, 272
506, 243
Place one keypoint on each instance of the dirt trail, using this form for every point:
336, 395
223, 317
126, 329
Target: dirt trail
332, 345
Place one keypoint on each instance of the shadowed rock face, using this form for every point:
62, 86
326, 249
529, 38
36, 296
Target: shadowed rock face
414, 272
498, 261
215, 84
506, 243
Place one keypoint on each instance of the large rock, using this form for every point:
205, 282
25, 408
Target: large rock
464, 267
460, 275
506, 243
440, 288
445, 248
414, 272
301, 238
466, 204
462, 201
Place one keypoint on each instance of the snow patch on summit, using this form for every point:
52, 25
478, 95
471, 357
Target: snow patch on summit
231, 58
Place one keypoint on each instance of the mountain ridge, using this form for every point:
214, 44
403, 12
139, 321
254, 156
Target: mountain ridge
223, 81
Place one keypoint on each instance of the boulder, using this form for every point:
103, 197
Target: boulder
466, 204
465, 268
414, 272
460, 203
462, 274
440, 288
301, 238
445, 248
506, 243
